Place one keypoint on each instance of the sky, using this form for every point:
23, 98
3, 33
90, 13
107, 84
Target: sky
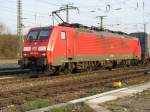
121, 15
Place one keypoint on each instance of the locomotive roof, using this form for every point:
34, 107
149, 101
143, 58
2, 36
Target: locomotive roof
97, 30
46, 27
91, 30
104, 33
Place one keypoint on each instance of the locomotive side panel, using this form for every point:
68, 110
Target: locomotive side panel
98, 47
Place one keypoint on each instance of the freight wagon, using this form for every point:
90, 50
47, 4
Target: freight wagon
66, 48
145, 43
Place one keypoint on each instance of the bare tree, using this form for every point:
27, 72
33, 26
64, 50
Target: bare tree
4, 29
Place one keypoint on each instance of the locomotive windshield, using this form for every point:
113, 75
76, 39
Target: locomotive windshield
39, 34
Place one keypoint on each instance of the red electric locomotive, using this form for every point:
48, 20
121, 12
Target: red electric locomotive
61, 48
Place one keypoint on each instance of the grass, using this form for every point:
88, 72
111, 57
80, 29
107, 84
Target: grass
8, 46
8, 61
37, 104
81, 107
33, 105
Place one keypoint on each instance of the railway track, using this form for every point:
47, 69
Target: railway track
18, 80
9, 68
60, 88
13, 71
27, 73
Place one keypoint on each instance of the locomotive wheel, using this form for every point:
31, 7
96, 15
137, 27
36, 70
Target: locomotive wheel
56, 71
68, 68
90, 67
66, 71
114, 64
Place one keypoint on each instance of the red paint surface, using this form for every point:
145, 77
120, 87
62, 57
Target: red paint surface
92, 44
80, 43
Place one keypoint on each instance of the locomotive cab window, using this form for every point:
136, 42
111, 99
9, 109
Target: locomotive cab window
44, 34
39, 34
63, 35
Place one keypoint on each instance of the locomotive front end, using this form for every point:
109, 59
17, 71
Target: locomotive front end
35, 48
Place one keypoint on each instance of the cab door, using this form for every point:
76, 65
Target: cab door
70, 44
69, 38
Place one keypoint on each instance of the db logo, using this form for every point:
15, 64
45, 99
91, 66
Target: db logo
35, 43
34, 48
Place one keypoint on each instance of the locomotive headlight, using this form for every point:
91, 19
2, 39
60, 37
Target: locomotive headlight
27, 49
42, 48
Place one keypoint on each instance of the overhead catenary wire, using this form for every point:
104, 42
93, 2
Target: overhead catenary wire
42, 15
65, 8
26, 12
48, 2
